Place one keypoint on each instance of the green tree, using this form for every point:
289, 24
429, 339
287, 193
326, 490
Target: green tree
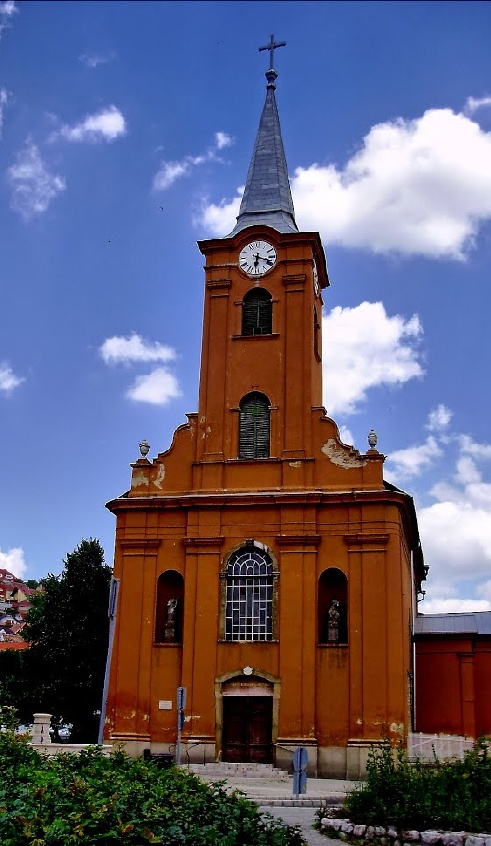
67, 628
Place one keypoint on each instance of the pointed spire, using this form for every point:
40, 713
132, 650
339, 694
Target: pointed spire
267, 197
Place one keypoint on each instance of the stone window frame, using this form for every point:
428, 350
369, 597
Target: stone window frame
223, 593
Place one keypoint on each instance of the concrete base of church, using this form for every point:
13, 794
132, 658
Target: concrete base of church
340, 762
357, 752
285, 750
132, 744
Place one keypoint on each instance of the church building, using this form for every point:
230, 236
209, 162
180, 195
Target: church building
263, 564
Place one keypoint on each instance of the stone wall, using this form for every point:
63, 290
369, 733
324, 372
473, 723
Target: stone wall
389, 836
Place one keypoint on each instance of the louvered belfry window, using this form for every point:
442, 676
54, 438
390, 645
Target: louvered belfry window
254, 426
257, 313
249, 595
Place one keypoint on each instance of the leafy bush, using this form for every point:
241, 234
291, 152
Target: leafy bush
449, 795
92, 799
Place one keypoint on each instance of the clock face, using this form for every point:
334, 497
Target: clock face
257, 258
317, 289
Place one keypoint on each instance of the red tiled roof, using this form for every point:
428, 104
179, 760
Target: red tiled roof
13, 644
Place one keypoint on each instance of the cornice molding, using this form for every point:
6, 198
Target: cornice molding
298, 540
203, 544
369, 542
135, 547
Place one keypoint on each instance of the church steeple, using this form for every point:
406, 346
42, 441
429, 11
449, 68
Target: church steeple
267, 197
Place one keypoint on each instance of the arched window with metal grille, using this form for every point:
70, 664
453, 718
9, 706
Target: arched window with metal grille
254, 426
257, 312
249, 595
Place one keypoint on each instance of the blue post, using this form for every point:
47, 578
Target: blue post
300, 760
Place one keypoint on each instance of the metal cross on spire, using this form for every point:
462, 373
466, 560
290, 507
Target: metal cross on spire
272, 46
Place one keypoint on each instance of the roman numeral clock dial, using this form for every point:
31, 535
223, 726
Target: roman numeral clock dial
257, 258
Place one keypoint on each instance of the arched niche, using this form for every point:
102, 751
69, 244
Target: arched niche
332, 607
169, 611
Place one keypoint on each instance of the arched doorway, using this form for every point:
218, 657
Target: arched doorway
247, 727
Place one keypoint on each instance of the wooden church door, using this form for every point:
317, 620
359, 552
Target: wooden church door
247, 729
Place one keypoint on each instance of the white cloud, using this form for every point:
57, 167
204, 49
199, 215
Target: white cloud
455, 528
170, 171
7, 10
220, 219
466, 471
13, 561
94, 60
222, 140
484, 590
157, 387
415, 187
439, 418
346, 436
366, 348
469, 446
8, 379
453, 606
456, 539
33, 186
414, 459
134, 348
472, 104
4, 99
108, 124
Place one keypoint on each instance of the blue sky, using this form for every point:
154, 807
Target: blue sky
126, 133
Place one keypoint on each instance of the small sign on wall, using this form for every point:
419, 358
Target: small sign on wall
165, 705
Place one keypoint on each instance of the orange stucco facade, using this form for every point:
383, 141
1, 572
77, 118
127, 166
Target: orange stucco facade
314, 505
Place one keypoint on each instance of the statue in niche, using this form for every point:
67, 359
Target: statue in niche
333, 622
170, 621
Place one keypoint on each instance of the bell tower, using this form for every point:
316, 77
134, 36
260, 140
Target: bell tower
264, 565
261, 368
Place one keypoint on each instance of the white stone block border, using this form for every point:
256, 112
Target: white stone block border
381, 836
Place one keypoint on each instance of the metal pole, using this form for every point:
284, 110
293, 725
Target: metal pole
181, 704
111, 613
178, 747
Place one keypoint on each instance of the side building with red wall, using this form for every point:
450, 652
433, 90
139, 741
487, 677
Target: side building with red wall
453, 673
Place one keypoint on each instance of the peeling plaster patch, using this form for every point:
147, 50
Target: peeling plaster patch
139, 479
160, 476
397, 728
341, 456
295, 463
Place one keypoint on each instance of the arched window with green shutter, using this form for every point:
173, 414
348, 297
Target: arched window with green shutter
254, 426
257, 313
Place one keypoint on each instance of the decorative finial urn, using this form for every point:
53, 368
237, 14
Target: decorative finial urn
144, 448
372, 439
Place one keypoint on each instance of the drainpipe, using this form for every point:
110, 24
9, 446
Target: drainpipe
111, 613
414, 605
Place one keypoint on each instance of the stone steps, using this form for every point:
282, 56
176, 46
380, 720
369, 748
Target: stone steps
239, 771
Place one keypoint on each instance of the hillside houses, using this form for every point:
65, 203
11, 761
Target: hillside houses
15, 602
